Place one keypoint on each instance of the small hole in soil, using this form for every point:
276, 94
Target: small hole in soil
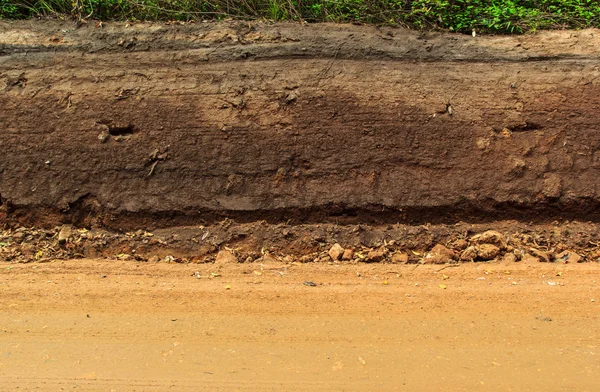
121, 131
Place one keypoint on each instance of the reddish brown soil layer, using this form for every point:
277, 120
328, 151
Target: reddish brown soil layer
228, 242
159, 125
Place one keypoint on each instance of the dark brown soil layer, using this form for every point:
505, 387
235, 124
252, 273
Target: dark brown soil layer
150, 126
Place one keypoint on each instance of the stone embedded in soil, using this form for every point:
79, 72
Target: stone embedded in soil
225, 257
336, 252
439, 254
400, 258
374, 256
552, 186
487, 251
568, 256
348, 255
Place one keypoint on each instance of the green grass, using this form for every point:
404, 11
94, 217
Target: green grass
501, 16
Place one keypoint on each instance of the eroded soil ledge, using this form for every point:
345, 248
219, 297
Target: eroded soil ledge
155, 125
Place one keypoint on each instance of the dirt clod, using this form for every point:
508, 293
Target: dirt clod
400, 258
225, 257
469, 254
487, 251
375, 256
439, 254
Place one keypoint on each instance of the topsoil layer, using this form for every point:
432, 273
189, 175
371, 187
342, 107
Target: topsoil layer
151, 125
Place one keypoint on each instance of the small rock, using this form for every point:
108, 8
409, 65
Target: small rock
336, 252
490, 237
154, 259
487, 251
439, 254
400, 258
64, 234
469, 254
568, 257
509, 258
543, 256
374, 256
348, 255
225, 257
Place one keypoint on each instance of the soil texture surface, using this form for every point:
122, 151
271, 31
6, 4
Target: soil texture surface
97, 325
156, 125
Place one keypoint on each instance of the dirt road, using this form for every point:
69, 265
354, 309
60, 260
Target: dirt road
126, 326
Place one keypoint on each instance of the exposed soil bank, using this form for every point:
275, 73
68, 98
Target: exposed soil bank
160, 125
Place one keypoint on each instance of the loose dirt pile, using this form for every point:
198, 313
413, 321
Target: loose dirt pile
229, 242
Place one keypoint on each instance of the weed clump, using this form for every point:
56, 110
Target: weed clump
484, 16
